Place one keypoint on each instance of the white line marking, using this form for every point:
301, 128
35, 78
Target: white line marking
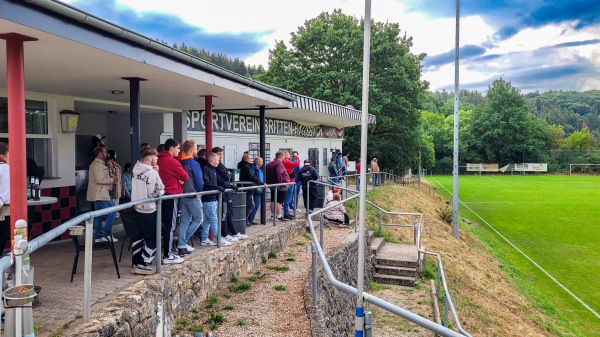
495, 180
527, 257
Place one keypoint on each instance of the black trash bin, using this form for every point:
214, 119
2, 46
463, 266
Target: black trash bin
238, 201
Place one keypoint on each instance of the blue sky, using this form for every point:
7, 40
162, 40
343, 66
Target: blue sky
536, 44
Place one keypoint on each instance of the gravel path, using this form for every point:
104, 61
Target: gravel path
263, 310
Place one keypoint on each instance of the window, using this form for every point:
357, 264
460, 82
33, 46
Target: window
36, 127
254, 151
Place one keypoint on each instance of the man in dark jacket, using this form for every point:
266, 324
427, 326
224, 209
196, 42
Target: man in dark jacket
227, 228
246, 175
308, 173
173, 176
276, 173
212, 182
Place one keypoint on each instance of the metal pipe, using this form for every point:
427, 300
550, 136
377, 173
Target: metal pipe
275, 208
314, 274
456, 119
446, 318
322, 232
219, 218
294, 200
158, 230
87, 276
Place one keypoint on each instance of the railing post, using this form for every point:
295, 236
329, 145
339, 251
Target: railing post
219, 218
414, 221
446, 310
368, 324
380, 221
356, 215
275, 204
307, 198
158, 230
87, 276
322, 229
294, 200
313, 251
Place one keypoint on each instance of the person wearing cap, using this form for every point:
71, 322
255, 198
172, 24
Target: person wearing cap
97, 141
305, 174
330, 194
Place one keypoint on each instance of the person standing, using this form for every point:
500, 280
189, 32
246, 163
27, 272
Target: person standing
4, 196
333, 170
227, 228
173, 176
291, 168
191, 207
345, 164
297, 179
126, 178
308, 173
146, 184
257, 193
98, 192
375, 170
248, 175
277, 174
210, 201
358, 175
114, 170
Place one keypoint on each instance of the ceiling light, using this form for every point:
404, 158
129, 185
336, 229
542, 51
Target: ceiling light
112, 112
117, 92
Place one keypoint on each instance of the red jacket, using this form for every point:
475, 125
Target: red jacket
171, 172
357, 168
290, 166
276, 174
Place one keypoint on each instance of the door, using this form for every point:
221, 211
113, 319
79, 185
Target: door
313, 156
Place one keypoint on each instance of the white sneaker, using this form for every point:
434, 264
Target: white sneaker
190, 248
225, 242
298, 210
230, 238
172, 259
114, 239
102, 239
240, 236
207, 242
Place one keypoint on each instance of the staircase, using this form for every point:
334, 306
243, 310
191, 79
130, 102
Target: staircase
395, 263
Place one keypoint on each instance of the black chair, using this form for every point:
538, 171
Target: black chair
96, 246
128, 219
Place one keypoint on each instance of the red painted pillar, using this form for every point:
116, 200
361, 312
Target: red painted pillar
15, 74
208, 123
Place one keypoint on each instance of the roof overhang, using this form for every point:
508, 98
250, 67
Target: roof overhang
82, 56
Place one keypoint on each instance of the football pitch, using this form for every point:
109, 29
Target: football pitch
553, 220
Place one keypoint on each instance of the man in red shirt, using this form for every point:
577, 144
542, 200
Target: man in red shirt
290, 167
173, 176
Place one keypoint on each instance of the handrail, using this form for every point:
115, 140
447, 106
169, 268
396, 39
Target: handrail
373, 299
425, 323
38, 242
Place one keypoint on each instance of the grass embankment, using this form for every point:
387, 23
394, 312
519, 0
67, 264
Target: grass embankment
490, 294
552, 219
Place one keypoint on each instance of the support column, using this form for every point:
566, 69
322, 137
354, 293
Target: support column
208, 134
15, 76
262, 150
134, 116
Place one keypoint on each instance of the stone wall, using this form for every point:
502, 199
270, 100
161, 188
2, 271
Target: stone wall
334, 314
149, 307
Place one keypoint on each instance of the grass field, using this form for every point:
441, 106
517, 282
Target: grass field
555, 220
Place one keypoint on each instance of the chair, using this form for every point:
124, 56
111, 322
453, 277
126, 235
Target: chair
96, 246
128, 219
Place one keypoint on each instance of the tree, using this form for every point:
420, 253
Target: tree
504, 128
325, 61
556, 135
580, 140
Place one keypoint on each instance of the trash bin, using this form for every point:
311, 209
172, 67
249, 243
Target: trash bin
235, 175
238, 201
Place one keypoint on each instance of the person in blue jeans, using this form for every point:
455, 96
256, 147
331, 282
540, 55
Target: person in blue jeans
258, 172
291, 165
99, 185
295, 157
191, 207
209, 202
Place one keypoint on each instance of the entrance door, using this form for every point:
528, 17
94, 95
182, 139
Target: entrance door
313, 156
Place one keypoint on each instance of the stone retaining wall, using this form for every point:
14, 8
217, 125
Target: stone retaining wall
334, 314
150, 306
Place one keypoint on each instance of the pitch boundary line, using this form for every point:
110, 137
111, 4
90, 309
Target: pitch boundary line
526, 256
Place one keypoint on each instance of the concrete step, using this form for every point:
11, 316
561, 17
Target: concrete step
376, 244
395, 271
398, 255
396, 280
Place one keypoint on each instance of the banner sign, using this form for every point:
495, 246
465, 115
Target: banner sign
531, 167
235, 123
482, 167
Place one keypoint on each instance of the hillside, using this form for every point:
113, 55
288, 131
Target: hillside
487, 299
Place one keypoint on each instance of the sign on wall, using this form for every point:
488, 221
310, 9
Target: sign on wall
235, 123
482, 167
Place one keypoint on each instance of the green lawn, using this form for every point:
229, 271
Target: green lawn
555, 220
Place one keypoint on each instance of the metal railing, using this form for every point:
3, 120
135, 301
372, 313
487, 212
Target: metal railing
417, 224
88, 218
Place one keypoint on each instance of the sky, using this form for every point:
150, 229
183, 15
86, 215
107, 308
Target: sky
536, 44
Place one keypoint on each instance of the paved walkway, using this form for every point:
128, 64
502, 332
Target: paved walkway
62, 301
